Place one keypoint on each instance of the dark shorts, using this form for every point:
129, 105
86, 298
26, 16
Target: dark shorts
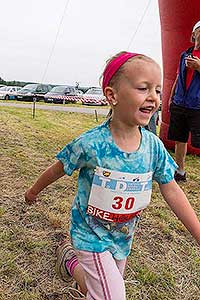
182, 122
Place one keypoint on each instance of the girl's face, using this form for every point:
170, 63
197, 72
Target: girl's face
137, 95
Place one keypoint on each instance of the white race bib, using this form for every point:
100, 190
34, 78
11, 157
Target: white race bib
117, 196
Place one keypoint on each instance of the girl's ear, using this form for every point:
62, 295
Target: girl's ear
110, 95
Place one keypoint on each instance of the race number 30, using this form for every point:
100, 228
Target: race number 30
120, 202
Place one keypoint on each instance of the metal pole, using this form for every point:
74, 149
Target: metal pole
96, 115
34, 106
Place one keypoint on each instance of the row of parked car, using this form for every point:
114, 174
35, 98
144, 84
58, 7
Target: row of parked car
58, 94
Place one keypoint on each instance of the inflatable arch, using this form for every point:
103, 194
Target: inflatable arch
177, 18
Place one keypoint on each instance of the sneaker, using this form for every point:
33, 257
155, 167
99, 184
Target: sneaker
179, 177
64, 252
74, 292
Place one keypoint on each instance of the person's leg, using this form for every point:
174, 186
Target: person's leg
179, 132
179, 128
79, 277
68, 267
121, 264
194, 121
193, 125
180, 155
103, 275
97, 265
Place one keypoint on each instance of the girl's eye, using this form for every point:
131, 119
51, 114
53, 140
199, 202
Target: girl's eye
158, 92
142, 88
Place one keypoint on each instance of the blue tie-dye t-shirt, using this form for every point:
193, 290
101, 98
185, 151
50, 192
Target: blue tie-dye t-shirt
97, 148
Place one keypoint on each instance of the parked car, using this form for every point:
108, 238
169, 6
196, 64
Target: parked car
9, 92
62, 94
33, 91
79, 92
94, 96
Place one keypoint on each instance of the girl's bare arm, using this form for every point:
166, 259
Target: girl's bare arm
180, 205
51, 174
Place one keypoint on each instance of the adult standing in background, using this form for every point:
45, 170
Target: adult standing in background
185, 103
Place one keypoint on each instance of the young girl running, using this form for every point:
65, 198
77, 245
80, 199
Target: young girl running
117, 161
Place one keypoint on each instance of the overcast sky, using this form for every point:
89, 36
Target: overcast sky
68, 41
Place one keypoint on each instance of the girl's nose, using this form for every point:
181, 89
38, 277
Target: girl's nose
155, 95
152, 96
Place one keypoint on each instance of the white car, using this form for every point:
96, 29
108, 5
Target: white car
9, 92
94, 96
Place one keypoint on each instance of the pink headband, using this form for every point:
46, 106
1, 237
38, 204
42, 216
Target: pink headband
114, 65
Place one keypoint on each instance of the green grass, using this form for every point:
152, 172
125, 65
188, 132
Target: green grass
164, 263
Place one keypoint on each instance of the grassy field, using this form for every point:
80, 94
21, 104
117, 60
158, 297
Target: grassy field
164, 262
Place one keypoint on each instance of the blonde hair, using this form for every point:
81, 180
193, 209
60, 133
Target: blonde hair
116, 77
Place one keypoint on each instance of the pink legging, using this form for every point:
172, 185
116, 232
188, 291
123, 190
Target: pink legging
103, 275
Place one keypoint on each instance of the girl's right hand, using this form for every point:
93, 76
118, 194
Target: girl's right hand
30, 197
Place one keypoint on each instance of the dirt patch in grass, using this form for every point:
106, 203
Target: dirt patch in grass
164, 263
